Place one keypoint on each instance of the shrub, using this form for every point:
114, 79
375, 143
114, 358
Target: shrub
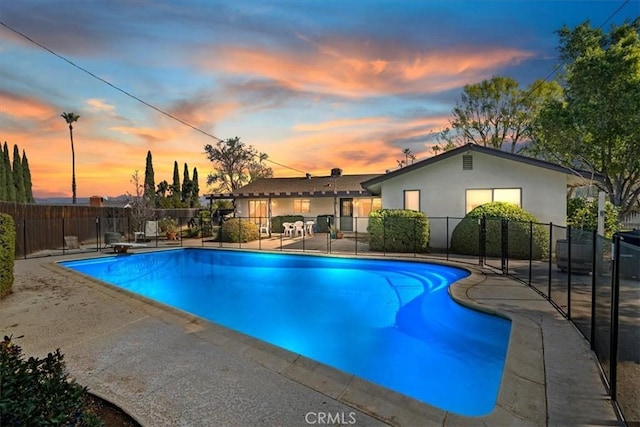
276, 221
37, 392
582, 214
7, 253
398, 230
239, 230
465, 238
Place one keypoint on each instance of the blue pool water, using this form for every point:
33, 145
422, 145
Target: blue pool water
390, 322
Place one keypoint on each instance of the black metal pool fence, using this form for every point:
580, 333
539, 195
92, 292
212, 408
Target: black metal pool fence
592, 281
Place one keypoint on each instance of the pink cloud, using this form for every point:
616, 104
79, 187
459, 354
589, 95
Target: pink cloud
332, 70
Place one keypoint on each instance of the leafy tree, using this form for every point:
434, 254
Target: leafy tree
582, 213
8, 175
195, 189
27, 178
496, 112
597, 124
141, 206
186, 186
71, 118
176, 192
236, 165
3, 179
18, 176
149, 181
163, 187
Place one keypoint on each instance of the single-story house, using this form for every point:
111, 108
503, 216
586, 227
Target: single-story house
337, 195
454, 182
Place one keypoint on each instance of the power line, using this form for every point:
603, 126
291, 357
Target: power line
561, 63
127, 93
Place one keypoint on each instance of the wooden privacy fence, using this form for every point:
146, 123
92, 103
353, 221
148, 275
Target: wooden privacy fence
43, 227
40, 227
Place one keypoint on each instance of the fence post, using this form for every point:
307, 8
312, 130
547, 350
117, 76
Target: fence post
615, 303
569, 272
447, 240
356, 241
63, 245
593, 292
550, 260
482, 239
415, 252
530, 251
504, 245
97, 234
24, 237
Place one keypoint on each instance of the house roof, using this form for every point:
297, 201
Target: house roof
315, 186
485, 150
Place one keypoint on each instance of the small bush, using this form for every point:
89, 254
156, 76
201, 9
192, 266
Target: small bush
465, 237
238, 230
7, 253
37, 392
398, 230
582, 214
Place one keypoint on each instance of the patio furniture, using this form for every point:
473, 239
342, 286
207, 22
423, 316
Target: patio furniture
288, 228
298, 228
113, 239
264, 228
308, 227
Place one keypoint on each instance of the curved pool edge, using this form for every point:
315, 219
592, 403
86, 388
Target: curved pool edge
521, 397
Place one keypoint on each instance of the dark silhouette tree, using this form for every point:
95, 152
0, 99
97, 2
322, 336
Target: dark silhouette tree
8, 175
70, 118
26, 173
195, 189
186, 187
18, 176
3, 179
149, 182
176, 191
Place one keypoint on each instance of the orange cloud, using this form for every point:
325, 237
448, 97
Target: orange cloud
330, 70
23, 107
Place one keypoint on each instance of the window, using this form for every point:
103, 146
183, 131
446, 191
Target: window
257, 210
301, 205
479, 197
366, 206
412, 199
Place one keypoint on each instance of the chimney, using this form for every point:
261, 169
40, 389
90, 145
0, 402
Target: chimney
335, 172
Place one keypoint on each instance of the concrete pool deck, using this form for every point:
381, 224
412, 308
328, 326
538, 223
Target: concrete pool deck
165, 367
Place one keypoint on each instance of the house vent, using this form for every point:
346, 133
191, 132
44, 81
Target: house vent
467, 162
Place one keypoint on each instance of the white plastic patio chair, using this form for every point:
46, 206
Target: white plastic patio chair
288, 228
298, 228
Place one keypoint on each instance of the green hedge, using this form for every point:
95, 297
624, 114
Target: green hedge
7, 253
238, 230
465, 239
398, 230
276, 222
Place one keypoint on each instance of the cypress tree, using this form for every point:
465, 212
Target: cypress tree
8, 175
186, 186
28, 190
195, 189
3, 179
149, 182
176, 192
18, 176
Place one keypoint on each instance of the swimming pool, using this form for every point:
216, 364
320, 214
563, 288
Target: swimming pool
390, 322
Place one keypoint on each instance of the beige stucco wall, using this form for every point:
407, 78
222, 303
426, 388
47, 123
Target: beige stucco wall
443, 185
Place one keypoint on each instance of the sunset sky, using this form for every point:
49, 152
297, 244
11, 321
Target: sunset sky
313, 84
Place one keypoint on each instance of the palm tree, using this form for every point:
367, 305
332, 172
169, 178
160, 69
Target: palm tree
70, 118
